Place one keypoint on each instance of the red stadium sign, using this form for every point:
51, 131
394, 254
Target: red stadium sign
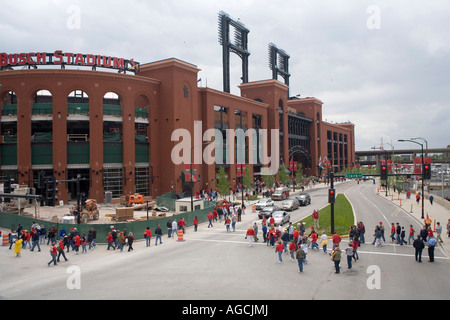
67, 58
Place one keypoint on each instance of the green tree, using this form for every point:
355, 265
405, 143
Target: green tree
223, 184
299, 177
283, 175
268, 181
247, 181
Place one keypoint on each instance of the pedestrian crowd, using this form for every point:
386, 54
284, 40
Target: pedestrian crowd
291, 241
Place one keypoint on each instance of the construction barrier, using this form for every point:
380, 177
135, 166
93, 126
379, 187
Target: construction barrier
5, 240
253, 209
180, 235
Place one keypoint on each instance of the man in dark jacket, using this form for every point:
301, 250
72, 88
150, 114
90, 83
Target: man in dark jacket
424, 233
158, 233
418, 245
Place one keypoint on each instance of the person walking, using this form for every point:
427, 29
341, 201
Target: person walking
402, 236
393, 232
122, 242
314, 238
53, 252
431, 243
411, 234
148, 235
169, 228
438, 232
60, 250
227, 223
349, 254
83, 243
77, 243
336, 258
36, 237
362, 231
398, 231
336, 240
110, 241
158, 234
174, 228
418, 246
255, 228
210, 217
233, 222
292, 249
279, 250
304, 246
300, 256
250, 234
195, 223
12, 238
377, 235
18, 247
285, 239
324, 242
130, 240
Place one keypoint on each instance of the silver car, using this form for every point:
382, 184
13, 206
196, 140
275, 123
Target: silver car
281, 217
262, 203
290, 204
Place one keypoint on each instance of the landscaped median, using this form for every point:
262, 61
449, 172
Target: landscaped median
343, 218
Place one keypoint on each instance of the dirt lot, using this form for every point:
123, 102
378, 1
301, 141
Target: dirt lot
51, 213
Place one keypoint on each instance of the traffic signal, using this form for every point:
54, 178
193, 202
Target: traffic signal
7, 187
426, 169
331, 195
50, 191
383, 172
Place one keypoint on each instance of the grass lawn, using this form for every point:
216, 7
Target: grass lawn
343, 218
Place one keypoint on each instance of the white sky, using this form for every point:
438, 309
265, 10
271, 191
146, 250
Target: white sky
383, 65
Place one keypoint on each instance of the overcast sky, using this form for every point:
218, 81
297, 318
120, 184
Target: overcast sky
383, 65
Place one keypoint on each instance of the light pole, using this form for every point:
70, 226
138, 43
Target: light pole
426, 144
423, 177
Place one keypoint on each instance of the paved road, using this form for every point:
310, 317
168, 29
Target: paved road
212, 264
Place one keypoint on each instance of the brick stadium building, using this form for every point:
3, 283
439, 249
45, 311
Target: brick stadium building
114, 129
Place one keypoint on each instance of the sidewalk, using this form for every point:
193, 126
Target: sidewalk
435, 211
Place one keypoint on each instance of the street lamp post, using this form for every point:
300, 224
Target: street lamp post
423, 177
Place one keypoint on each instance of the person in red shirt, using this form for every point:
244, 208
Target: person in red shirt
271, 236
110, 241
315, 216
147, 236
195, 222
279, 250
336, 240
272, 221
392, 232
250, 234
292, 248
60, 249
210, 217
411, 234
314, 241
77, 243
181, 224
53, 252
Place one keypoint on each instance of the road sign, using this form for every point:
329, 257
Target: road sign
353, 176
